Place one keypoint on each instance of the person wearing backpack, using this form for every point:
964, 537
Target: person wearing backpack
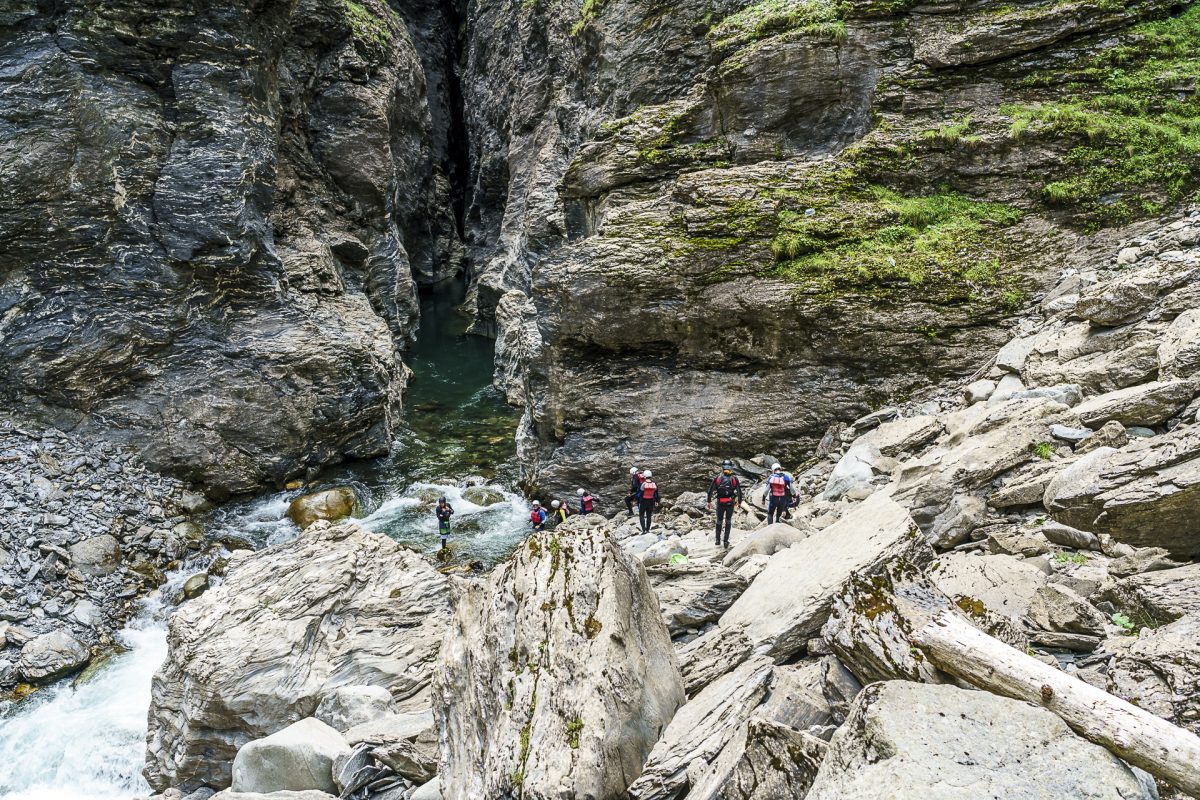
537, 516
647, 500
728, 491
587, 503
779, 493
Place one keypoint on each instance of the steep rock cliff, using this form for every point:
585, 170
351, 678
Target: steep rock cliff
212, 219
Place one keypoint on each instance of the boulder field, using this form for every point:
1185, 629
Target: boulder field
802, 662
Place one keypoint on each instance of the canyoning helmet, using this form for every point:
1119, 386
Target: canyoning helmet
727, 465
442, 499
535, 504
555, 504
646, 474
633, 470
775, 468
580, 492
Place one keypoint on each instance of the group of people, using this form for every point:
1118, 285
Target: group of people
559, 511
725, 489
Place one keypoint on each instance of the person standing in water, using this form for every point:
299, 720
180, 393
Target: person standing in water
444, 512
647, 500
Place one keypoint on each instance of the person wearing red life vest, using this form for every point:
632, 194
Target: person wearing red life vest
635, 489
587, 503
779, 493
647, 500
728, 490
537, 516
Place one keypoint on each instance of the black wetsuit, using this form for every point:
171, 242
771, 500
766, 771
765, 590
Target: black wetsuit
728, 490
635, 491
443, 512
647, 502
778, 503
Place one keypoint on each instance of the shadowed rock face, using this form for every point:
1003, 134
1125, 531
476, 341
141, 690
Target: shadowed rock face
211, 220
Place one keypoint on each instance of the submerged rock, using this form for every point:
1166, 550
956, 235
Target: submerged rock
337, 606
557, 675
331, 504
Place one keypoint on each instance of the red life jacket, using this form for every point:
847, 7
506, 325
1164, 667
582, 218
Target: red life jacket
778, 485
648, 490
535, 516
587, 504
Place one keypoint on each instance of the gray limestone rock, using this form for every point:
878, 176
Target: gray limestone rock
1145, 404
954, 743
1157, 597
347, 706
298, 758
49, 656
97, 556
557, 674
693, 595
336, 606
1160, 672
1002, 585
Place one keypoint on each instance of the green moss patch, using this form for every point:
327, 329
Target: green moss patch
770, 17
366, 25
876, 239
1133, 116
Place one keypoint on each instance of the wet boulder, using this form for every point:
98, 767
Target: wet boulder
948, 743
557, 674
49, 656
337, 606
330, 504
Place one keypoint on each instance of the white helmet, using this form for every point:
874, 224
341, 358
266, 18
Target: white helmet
536, 504
555, 504
633, 470
580, 492
646, 474
775, 467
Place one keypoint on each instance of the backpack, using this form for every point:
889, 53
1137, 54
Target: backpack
726, 487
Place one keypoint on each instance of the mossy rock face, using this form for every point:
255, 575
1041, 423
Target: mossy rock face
331, 504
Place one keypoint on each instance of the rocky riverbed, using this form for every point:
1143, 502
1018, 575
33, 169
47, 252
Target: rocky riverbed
1041, 506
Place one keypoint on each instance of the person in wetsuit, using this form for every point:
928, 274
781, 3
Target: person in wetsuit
647, 500
728, 491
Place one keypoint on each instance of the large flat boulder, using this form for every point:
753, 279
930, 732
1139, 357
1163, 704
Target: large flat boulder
1146, 404
337, 606
991, 583
558, 674
1146, 494
790, 599
939, 742
51, 655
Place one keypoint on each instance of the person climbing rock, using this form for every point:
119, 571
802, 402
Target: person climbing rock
728, 491
779, 493
635, 489
587, 503
647, 500
537, 516
558, 513
443, 512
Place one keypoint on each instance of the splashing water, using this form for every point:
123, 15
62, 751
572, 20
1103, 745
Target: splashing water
85, 739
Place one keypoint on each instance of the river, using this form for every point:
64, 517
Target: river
84, 739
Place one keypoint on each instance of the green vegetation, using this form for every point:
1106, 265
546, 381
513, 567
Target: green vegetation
589, 11
877, 239
574, 728
950, 134
1043, 450
1122, 621
1131, 112
770, 17
365, 25
1070, 558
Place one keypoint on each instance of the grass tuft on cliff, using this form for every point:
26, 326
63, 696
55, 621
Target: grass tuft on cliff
1133, 115
876, 240
770, 17
365, 25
